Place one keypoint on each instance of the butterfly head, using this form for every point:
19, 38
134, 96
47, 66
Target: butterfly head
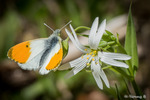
57, 32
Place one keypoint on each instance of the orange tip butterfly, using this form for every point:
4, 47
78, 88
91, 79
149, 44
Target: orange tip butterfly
44, 54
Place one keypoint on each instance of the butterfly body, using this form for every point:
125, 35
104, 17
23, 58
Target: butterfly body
43, 54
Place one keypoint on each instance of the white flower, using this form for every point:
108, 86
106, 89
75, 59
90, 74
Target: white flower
92, 56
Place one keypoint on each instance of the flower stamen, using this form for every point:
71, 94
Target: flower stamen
90, 53
88, 64
82, 57
93, 59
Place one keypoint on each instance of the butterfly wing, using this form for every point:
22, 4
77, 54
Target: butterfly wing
20, 52
44, 54
32, 64
52, 56
28, 54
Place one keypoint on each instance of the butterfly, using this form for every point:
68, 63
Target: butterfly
44, 54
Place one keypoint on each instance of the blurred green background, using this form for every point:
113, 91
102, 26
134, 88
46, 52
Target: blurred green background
22, 20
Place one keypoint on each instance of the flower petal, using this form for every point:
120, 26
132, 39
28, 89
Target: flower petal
93, 32
102, 74
75, 70
65, 66
117, 56
104, 77
77, 65
114, 62
69, 74
99, 34
78, 68
95, 71
77, 61
76, 38
100, 71
74, 41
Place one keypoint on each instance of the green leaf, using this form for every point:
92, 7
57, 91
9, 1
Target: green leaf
102, 43
108, 32
137, 89
107, 36
121, 71
131, 43
127, 88
65, 46
117, 92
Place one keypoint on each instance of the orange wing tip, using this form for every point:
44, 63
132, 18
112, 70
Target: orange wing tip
20, 53
9, 55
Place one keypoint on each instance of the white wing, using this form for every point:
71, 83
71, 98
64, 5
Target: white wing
49, 55
37, 49
42, 50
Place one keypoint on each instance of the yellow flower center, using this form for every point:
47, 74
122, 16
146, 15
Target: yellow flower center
93, 59
87, 64
94, 51
82, 56
85, 49
90, 53
93, 55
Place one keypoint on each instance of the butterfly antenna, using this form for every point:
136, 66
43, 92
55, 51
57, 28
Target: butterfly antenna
48, 27
66, 25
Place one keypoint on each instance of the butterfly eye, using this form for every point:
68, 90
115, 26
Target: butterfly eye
27, 46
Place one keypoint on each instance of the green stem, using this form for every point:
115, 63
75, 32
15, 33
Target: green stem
106, 67
130, 70
82, 35
82, 27
137, 90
